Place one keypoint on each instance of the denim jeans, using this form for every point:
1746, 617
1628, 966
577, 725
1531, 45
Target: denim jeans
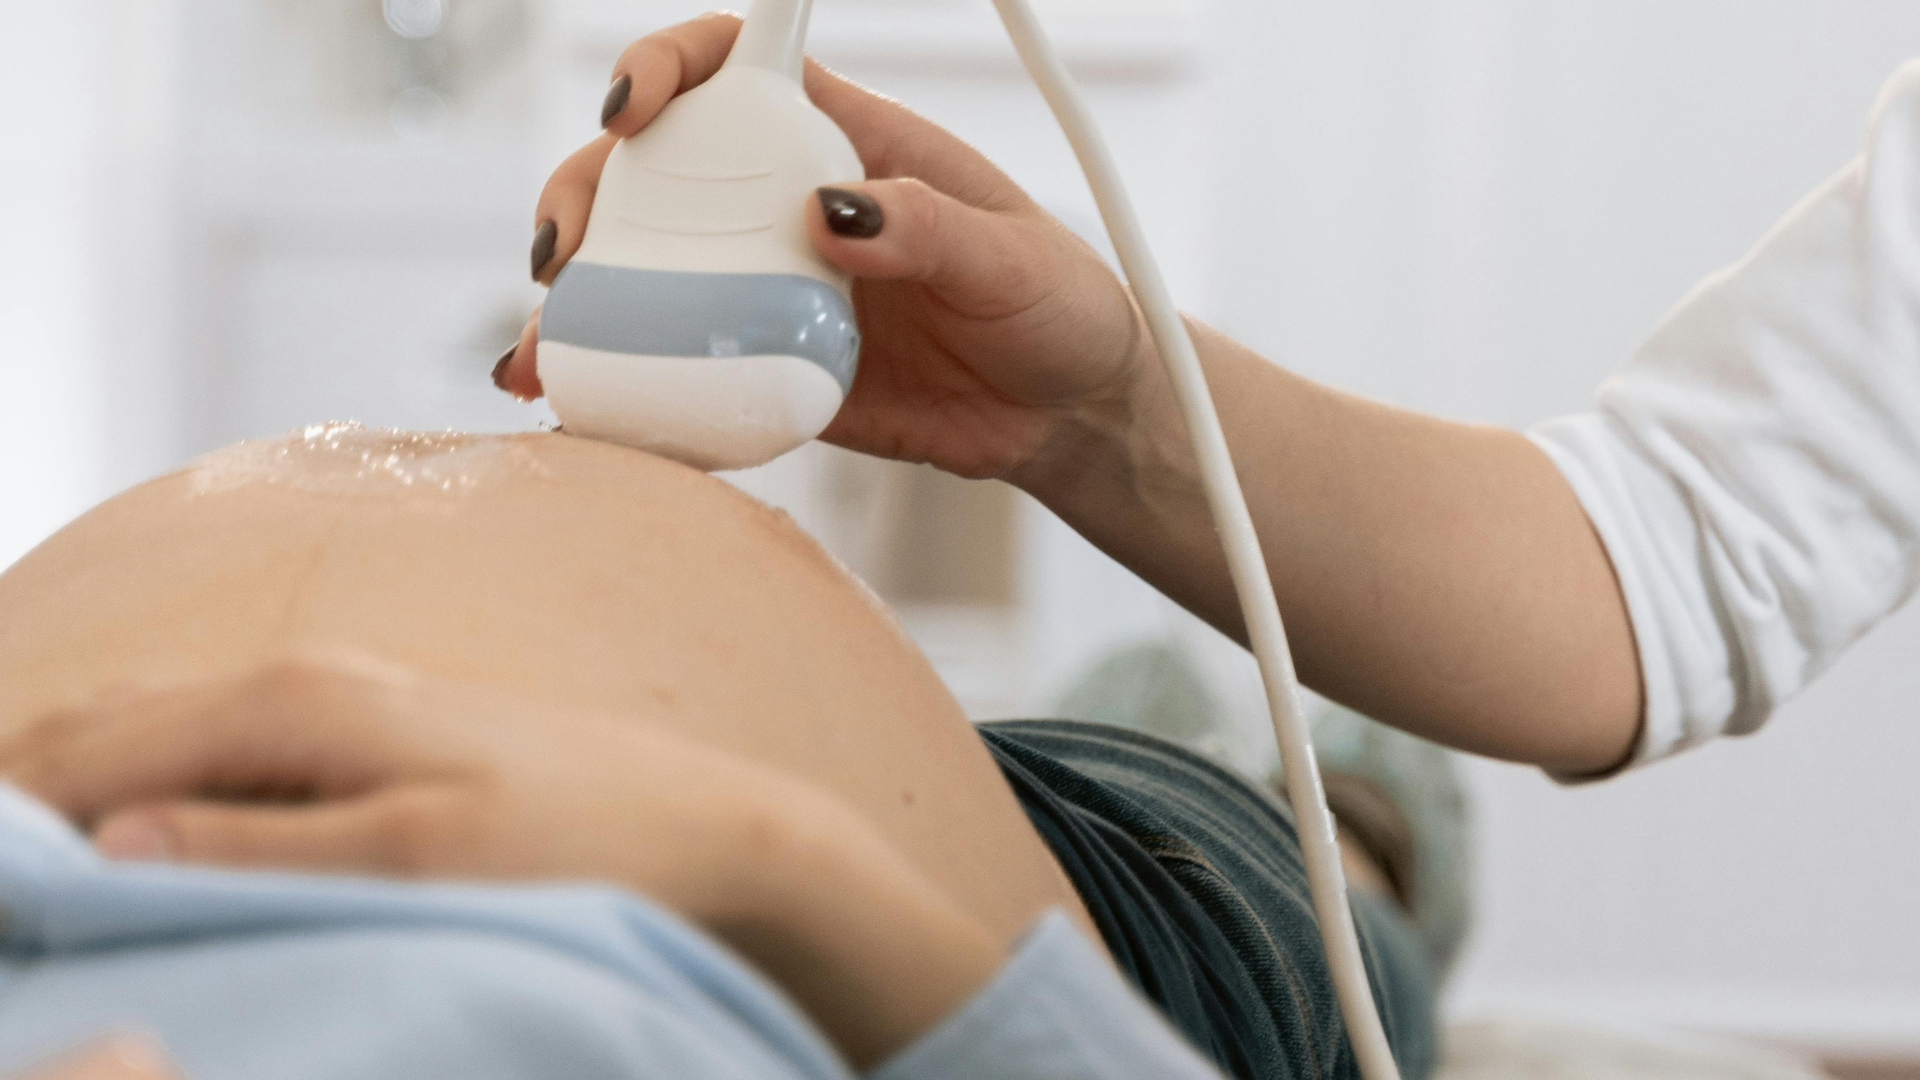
1195, 879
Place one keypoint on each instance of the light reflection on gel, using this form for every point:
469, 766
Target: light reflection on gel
342, 458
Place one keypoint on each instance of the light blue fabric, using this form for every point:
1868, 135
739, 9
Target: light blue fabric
279, 977
253, 976
1057, 1011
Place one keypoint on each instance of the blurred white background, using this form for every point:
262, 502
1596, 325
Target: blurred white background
223, 218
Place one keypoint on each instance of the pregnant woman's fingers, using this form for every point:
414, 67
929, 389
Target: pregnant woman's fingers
302, 728
346, 766
116, 1057
396, 833
340, 763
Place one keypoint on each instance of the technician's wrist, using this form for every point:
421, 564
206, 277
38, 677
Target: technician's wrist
1082, 452
1106, 444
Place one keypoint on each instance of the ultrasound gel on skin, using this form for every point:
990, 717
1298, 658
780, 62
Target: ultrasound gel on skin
696, 321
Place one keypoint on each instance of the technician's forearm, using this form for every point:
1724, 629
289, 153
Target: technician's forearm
1437, 575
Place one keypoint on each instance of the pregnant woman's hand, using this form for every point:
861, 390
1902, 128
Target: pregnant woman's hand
117, 1057
336, 764
340, 764
985, 322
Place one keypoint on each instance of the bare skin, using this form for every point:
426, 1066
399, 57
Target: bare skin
592, 580
333, 762
119, 1057
529, 657
298, 654
336, 763
1436, 575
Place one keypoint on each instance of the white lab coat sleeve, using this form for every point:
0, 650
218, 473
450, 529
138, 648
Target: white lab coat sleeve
1754, 469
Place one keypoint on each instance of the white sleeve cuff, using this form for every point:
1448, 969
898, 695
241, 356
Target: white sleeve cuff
1641, 517
1754, 470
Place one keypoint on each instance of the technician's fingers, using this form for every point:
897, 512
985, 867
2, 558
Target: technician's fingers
517, 372
982, 264
895, 141
891, 139
116, 1057
561, 215
650, 73
663, 65
395, 833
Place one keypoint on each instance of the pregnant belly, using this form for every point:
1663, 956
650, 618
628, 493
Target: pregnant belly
577, 573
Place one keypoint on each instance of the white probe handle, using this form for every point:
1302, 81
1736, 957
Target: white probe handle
697, 320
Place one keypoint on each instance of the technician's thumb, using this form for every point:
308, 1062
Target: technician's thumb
981, 263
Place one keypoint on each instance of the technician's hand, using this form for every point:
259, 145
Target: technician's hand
984, 320
335, 763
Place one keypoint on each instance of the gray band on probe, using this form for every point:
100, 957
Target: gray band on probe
694, 314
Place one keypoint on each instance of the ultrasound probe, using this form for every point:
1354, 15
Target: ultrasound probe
697, 322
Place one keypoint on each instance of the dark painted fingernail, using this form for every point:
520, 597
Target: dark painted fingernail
500, 366
850, 213
617, 96
544, 240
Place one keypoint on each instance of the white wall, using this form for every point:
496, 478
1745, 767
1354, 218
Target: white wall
88, 151
48, 463
1477, 208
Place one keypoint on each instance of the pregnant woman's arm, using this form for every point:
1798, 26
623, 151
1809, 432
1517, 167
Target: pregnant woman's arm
359, 767
647, 612
116, 1057
594, 580
373, 770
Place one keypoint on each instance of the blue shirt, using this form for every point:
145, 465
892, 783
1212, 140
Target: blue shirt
256, 976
